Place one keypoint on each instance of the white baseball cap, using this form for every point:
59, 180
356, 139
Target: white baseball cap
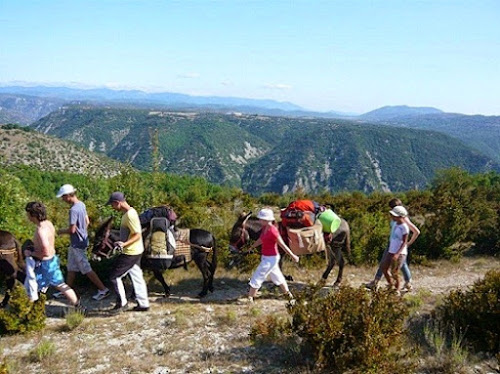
399, 211
266, 214
66, 190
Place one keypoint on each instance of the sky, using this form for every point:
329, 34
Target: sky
350, 56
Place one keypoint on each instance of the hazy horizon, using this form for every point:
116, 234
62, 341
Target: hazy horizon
345, 56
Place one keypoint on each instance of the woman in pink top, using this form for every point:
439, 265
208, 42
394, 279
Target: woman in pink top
269, 264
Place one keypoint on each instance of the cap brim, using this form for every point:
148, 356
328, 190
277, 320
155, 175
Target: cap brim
393, 214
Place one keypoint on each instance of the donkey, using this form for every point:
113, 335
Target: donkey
202, 243
11, 263
247, 227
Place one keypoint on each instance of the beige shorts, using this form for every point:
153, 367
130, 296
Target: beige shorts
78, 261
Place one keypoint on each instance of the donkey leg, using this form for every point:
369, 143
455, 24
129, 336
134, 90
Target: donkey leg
10, 286
288, 277
331, 262
159, 277
201, 261
341, 262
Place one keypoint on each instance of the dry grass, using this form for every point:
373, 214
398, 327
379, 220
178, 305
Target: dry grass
184, 334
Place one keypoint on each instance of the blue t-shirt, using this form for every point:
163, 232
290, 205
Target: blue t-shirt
77, 215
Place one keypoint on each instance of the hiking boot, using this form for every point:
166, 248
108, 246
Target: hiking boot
373, 285
139, 308
101, 294
408, 286
118, 309
80, 308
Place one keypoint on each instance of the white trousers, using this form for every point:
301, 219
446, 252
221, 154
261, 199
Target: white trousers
268, 267
30, 282
140, 288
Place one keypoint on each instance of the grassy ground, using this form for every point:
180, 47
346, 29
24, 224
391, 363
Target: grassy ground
183, 334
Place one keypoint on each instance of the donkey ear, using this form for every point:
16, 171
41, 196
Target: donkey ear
243, 216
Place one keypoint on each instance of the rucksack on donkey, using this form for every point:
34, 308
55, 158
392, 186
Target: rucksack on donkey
300, 213
158, 224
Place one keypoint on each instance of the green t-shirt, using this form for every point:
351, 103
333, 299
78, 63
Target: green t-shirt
130, 225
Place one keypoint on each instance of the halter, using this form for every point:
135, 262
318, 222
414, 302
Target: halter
106, 242
233, 247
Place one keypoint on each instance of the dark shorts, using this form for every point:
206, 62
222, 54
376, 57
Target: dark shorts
156, 264
124, 263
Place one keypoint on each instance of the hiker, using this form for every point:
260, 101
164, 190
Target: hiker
415, 232
128, 262
398, 249
42, 264
269, 239
79, 242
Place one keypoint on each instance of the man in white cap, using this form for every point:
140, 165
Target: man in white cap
79, 241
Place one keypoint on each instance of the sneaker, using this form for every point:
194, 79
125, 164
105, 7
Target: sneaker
408, 286
101, 294
58, 295
139, 308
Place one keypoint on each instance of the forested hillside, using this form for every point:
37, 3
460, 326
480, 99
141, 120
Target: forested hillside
262, 153
479, 132
24, 146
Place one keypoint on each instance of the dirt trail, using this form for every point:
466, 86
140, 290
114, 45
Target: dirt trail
184, 334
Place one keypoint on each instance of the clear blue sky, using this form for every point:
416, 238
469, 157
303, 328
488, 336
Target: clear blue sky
352, 55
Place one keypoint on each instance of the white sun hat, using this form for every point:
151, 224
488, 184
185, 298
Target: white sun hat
399, 211
66, 190
266, 214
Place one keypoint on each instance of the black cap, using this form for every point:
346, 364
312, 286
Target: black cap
116, 196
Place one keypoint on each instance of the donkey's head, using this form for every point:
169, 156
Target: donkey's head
103, 241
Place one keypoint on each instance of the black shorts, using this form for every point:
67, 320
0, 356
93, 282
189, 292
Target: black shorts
124, 263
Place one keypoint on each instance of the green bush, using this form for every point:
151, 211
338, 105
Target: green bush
351, 329
22, 315
475, 313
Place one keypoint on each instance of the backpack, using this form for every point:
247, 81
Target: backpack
300, 213
158, 223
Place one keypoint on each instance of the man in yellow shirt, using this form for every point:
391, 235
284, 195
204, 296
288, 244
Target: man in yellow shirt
128, 262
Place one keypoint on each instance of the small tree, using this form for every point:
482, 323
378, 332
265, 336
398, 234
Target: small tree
22, 315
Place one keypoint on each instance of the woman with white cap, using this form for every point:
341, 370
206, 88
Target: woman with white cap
269, 239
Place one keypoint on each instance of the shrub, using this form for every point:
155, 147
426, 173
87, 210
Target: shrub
269, 329
42, 351
347, 330
74, 319
22, 315
351, 328
475, 313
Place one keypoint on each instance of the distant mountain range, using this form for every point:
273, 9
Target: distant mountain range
261, 145
391, 112
264, 153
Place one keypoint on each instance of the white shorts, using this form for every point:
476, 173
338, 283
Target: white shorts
269, 266
78, 261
